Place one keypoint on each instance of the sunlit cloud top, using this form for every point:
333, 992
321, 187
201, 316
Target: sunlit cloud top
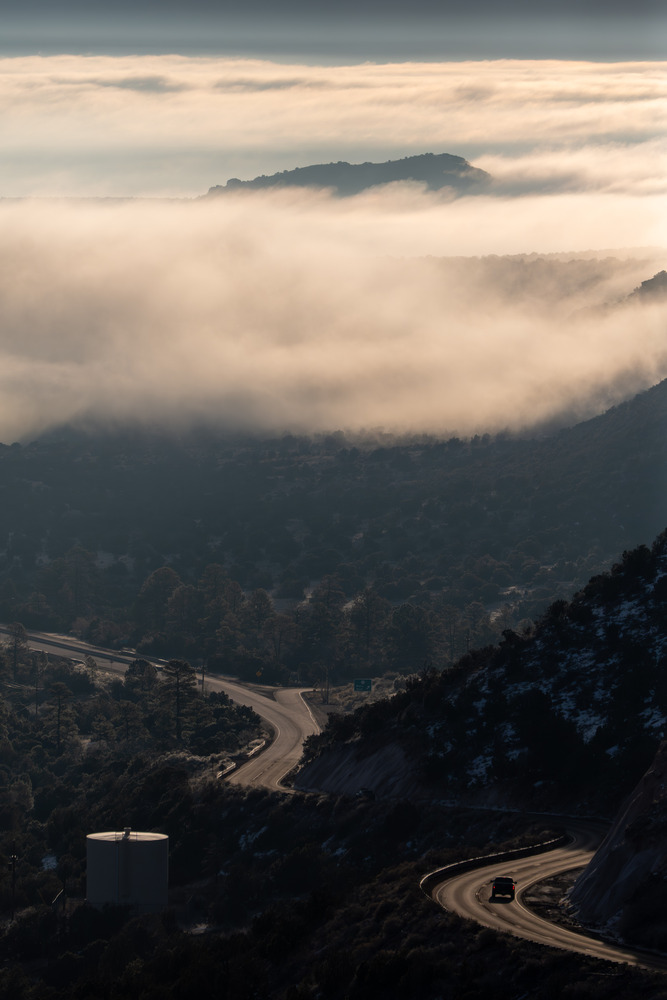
175, 126
280, 311
296, 310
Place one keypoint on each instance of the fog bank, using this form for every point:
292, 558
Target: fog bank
294, 311
171, 125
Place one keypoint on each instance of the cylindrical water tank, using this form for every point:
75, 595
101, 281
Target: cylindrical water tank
128, 869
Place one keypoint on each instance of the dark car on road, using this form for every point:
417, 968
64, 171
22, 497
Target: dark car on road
503, 885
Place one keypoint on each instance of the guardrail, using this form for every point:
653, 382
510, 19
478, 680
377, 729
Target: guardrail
429, 882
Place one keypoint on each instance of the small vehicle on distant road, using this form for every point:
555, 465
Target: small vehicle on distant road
503, 885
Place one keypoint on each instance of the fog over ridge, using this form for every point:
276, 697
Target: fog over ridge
174, 125
283, 313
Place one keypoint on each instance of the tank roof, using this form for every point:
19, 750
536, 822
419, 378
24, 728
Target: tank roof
116, 835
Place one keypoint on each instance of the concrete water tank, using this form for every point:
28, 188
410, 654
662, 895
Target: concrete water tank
128, 869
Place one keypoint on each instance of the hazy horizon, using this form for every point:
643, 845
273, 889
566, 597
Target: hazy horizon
374, 30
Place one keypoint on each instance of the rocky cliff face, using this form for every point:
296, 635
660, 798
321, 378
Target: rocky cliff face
387, 772
623, 887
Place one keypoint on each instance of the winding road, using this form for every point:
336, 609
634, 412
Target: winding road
291, 720
468, 893
283, 709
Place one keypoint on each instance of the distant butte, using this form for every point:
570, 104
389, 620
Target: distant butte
435, 170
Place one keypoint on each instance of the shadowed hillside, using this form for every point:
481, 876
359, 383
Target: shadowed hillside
623, 888
565, 717
435, 170
295, 555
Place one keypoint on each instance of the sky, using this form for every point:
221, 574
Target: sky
350, 30
125, 296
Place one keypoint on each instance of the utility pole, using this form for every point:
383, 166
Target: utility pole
12, 863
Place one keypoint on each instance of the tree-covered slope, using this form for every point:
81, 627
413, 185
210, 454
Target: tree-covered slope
476, 535
565, 717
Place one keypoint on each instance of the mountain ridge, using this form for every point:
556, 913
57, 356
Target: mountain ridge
436, 170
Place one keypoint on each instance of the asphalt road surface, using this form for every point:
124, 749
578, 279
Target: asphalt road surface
469, 895
283, 709
291, 720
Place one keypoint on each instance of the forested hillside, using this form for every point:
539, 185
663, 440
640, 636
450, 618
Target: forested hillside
293, 556
566, 716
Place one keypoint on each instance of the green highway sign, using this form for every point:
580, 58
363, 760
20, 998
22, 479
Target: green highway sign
363, 683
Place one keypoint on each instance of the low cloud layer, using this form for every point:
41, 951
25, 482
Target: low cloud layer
170, 125
293, 311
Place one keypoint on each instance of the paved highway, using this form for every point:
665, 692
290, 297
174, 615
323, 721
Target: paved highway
283, 709
469, 894
291, 720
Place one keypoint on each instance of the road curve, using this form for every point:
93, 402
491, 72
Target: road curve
469, 894
291, 720
283, 709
